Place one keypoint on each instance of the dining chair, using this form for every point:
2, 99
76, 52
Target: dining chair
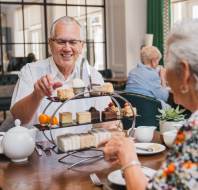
7, 84
147, 109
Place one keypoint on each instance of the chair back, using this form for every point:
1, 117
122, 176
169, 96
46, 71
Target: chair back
147, 109
7, 84
107, 73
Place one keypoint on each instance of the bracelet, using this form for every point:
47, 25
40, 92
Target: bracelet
131, 163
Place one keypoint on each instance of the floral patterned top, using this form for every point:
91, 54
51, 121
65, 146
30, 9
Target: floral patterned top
180, 171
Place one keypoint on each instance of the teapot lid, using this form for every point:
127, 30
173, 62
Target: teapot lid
18, 127
17, 122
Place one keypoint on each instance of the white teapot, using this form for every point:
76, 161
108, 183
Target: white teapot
18, 143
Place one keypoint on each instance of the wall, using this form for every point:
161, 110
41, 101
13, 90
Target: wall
126, 26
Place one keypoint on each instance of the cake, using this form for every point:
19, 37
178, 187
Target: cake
96, 90
114, 108
68, 142
78, 86
93, 138
127, 111
64, 94
107, 87
83, 117
65, 117
87, 140
95, 115
109, 114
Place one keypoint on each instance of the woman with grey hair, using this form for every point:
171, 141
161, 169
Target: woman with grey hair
180, 170
146, 78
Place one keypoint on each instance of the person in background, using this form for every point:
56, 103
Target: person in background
31, 58
180, 170
148, 78
40, 79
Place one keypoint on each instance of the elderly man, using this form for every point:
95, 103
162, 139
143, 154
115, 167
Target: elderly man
146, 79
40, 79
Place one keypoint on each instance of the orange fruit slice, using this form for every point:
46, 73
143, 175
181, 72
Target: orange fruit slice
44, 119
54, 121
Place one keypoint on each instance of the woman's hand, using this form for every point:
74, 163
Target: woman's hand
120, 150
45, 86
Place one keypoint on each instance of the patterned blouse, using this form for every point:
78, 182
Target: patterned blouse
180, 171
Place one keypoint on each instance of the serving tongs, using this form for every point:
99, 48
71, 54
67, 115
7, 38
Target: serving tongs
84, 62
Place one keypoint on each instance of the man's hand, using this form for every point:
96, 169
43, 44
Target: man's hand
45, 86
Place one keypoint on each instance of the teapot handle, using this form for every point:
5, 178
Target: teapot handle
2, 134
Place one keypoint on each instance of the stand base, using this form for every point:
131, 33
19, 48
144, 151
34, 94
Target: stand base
81, 157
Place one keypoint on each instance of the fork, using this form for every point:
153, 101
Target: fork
145, 149
96, 181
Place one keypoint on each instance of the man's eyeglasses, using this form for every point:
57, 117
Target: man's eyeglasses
62, 42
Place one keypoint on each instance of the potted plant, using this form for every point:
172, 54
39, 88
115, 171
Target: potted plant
171, 118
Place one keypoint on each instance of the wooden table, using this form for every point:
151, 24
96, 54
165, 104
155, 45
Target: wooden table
46, 173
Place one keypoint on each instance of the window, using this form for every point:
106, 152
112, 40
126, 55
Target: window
25, 25
184, 9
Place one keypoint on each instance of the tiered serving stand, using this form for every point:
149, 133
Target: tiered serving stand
83, 155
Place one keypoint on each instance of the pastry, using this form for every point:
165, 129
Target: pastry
107, 87
69, 142
127, 111
78, 86
114, 108
83, 117
109, 113
65, 117
64, 94
95, 115
87, 141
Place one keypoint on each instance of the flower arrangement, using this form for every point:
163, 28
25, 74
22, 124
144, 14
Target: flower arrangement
171, 114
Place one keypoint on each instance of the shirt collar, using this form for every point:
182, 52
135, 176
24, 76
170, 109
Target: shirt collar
145, 66
57, 74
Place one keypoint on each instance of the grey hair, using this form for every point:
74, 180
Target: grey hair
150, 52
67, 20
182, 44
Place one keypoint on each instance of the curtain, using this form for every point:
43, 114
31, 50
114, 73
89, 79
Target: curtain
155, 10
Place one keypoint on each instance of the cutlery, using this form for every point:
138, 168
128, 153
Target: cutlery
44, 148
38, 151
145, 149
96, 181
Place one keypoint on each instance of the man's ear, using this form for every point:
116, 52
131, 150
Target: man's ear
81, 48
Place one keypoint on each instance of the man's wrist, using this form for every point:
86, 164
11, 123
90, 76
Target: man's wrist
36, 96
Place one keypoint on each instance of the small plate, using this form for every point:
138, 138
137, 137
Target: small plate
157, 148
116, 177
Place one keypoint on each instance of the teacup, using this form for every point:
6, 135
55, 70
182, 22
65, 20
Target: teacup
169, 137
144, 133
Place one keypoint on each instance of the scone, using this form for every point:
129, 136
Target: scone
64, 94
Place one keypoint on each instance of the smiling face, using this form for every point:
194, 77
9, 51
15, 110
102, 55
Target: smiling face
66, 45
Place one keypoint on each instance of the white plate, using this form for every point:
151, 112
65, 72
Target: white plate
157, 148
116, 178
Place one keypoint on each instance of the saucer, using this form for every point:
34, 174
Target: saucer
116, 177
157, 148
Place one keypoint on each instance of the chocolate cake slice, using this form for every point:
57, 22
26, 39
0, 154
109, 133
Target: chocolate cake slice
108, 114
95, 115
